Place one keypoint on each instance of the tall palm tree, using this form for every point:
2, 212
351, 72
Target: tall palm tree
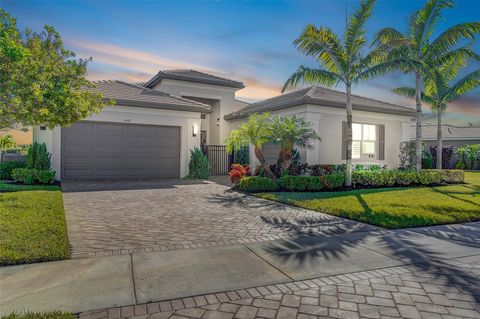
340, 62
439, 92
415, 52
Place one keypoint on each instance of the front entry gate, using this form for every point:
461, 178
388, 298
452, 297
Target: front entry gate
219, 161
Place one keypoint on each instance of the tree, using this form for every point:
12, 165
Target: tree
40, 81
439, 92
7, 141
256, 131
340, 62
290, 131
415, 52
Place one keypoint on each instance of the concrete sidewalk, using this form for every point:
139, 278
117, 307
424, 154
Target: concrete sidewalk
86, 284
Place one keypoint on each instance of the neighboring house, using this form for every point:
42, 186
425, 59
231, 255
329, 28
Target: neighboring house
154, 125
451, 135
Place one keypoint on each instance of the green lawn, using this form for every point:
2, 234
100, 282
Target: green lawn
40, 315
32, 224
395, 207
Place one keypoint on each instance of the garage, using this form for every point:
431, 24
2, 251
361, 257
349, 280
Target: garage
103, 150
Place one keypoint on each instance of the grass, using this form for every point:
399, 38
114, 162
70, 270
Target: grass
40, 315
395, 207
32, 224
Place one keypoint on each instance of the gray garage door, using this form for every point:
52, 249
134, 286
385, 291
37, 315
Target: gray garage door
116, 150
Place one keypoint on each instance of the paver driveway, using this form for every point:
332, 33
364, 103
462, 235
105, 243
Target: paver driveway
108, 218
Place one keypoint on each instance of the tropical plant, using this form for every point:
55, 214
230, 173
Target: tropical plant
241, 155
256, 131
340, 62
288, 131
237, 172
439, 92
38, 157
7, 141
447, 152
198, 165
41, 82
416, 53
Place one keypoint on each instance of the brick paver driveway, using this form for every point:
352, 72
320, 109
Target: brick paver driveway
106, 218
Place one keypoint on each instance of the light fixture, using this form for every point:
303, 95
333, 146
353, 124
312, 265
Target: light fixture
218, 121
194, 130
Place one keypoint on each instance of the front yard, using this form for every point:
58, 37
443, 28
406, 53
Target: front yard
395, 207
32, 224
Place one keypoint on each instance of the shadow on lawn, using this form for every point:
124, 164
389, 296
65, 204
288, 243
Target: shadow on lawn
452, 195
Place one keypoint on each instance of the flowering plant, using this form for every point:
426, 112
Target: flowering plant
238, 171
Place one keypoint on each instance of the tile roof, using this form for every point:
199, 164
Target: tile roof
193, 76
449, 132
320, 96
132, 94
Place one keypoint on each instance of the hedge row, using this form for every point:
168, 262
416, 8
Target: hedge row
292, 183
33, 176
360, 179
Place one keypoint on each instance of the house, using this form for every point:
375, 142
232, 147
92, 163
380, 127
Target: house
152, 127
451, 134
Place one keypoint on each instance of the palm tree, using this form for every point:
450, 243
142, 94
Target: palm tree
415, 52
439, 92
256, 131
340, 62
290, 131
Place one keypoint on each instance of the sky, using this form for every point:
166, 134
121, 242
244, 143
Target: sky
248, 41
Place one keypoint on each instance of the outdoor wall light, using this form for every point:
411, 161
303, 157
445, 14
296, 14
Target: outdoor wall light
194, 130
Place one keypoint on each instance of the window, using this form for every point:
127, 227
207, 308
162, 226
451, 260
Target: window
364, 144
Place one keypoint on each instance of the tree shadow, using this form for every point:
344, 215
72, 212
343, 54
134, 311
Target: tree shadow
231, 199
451, 195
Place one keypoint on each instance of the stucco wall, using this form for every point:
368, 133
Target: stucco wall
133, 115
327, 122
225, 95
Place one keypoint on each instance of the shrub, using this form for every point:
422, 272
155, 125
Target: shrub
373, 178
335, 180
237, 172
7, 142
198, 165
429, 177
241, 156
315, 183
38, 157
32, 176
294, 183
7, 167
405, 178
297, 169
450, 176
258, 184
447, 152
326, 169
407, 155
427, 160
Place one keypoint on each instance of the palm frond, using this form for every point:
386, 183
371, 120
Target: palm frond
389, 36
462, 53
355, 32
306, 75
450, 38
465, 85
323, 44
426, 18
410, 92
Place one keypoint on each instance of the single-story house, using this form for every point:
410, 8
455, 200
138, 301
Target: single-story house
153, 126
451, 134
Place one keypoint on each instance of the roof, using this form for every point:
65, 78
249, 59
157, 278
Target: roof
240, 105
320, 96
131, 94
193, 76
449, 132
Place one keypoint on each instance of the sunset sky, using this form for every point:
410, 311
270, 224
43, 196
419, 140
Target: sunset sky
246, 41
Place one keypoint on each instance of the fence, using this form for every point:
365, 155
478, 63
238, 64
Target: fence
219, 160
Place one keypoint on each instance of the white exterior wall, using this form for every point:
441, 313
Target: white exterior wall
225, 95
132, 115
327, 121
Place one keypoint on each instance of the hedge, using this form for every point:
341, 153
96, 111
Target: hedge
360, 179
33, 176
7, 167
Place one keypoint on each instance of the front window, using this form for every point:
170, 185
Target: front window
364, 144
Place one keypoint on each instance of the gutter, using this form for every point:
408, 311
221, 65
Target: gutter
152, 105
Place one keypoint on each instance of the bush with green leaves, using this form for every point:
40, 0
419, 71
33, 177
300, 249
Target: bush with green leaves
254, 184
30, 176
242, 155
7, 142
7, 167
38, 157
198, 165
373, 178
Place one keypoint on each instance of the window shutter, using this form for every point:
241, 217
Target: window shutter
344, 140
381, 142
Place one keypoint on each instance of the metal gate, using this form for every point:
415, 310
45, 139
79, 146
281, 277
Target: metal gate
219, 161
